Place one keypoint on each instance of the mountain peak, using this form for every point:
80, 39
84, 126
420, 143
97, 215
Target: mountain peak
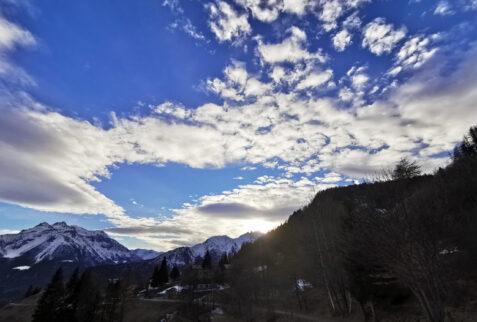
60, 224
61, 242
43, 224
216, 246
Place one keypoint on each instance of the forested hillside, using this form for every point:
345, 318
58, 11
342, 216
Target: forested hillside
387, 248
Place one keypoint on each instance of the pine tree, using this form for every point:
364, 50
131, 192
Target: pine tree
71, 284
163, 274
224, 260
468, 147
50, 306
112, 299
175, 274
207, 262
86, 298
155, 277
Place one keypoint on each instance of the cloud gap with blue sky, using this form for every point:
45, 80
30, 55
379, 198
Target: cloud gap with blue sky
167, 122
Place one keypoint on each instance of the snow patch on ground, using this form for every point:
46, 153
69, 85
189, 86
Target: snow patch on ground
22, 268
178, 288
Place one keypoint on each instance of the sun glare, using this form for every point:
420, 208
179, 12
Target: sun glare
260, 225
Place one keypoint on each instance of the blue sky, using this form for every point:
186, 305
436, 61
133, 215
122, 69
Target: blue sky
166, 122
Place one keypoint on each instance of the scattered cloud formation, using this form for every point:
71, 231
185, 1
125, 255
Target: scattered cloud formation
380, 37
267, 115
416, 51
226, 23
292, 49
13, 36
182, 22
315, 79
342, 40
443, 8
266, 11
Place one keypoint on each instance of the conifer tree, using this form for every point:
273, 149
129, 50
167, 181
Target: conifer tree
224, 260
50, 306
163, 274
112, 299
71, 284
71, 289
207, 262
155, 277
86, 298
175, 274
468, 147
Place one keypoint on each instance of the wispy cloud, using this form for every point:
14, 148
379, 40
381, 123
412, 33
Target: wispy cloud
226, 23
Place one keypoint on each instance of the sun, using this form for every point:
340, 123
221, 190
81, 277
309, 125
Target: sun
260, 225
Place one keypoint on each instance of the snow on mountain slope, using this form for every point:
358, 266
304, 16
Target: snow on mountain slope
62, 242
145, 254
223, 244
217, 246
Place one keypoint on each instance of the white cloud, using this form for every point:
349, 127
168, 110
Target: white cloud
226, 23
352, 21
238, 84
297, 7
289, 50
342, 40
261, 205
182, 22
380, 37
359, 80
330, 12
443, 8
415, 52
395, 70
12, 35
315, 79
265, 11
8, 231
330, 177
346, 94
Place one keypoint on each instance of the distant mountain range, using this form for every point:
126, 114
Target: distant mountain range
146, 254
217, 246
31, 256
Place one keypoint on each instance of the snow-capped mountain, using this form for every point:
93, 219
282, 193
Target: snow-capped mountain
145, 254
63, 243
217, 246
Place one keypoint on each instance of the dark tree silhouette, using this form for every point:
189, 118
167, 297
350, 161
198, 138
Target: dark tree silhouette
50, 306
468, 147
163, 273
175, 273
406, 169
207, 262
155, 277
224, 260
